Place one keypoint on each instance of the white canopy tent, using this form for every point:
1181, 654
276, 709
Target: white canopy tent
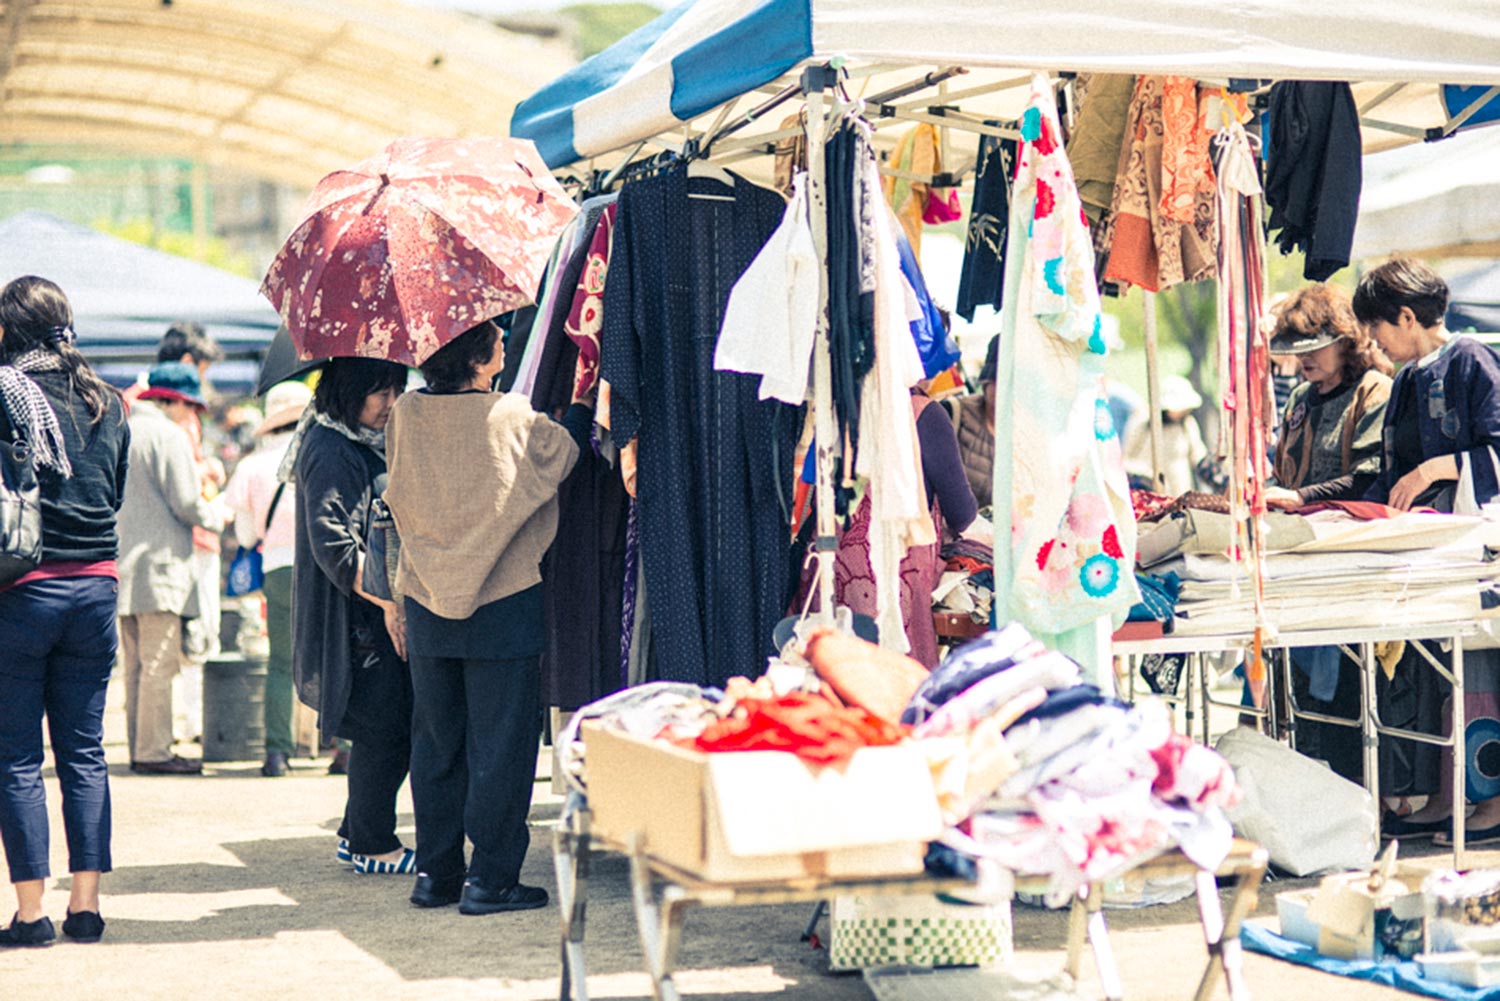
1439, 201
704, 54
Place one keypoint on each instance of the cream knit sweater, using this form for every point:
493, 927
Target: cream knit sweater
473, 488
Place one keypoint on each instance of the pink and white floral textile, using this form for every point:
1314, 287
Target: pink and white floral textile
1060, 484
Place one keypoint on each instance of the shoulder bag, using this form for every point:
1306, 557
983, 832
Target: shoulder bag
20, 510
247, 570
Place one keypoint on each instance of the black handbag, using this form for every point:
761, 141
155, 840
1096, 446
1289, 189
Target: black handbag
20, 511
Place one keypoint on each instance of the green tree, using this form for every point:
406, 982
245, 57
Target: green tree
215, 251
601, 25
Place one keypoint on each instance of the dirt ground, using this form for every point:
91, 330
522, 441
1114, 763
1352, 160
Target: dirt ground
225, 886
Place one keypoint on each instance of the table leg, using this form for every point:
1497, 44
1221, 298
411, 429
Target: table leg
1104, 955
1205, 690
1460, 752
1221, 934
1077, 928
660, 927
1369, 718
570, 859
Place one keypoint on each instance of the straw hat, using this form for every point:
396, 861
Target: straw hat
1178, 394
284, 405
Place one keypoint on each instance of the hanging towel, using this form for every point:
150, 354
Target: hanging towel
916, 153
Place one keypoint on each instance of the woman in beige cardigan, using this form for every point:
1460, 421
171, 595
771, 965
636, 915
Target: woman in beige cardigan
473, 487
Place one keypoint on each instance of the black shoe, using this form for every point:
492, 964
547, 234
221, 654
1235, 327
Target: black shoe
1409, 830
340, 763
28, 933
275, 765
85, 926
516, 897
431, 891
172, 766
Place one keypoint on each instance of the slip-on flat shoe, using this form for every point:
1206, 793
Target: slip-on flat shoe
432, 891
28, 934
83, 926
516, 897
172, 766
342, 852
369, 865
1410, 830
340, 763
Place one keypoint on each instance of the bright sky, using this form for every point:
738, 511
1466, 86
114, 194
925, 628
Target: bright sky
492, 7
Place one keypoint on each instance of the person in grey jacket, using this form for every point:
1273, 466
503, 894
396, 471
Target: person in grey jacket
163, 503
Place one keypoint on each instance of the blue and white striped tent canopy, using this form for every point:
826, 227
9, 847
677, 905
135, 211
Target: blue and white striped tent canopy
703, 53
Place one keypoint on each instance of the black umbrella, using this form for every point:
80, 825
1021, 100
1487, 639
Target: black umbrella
282, 362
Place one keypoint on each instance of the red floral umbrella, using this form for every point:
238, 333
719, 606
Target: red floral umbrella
406, 250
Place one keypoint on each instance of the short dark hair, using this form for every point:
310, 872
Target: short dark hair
188, 338
345, 382
1401, 281
456, 363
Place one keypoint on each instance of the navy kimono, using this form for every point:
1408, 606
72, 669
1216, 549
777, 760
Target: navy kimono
714, 461
1455, 399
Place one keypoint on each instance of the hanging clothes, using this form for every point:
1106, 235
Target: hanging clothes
586, 315
935, 345
1147, 247
852, 207
1103, 101
713, 541
917, 152
1060, 493
583, 572
772, 316
982, 279
1313, 172
555, 374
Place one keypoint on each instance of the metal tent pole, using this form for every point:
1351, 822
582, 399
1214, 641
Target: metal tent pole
1153, 391
826, 430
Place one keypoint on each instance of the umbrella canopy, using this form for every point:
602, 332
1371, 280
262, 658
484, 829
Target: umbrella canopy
406, 250
281, 362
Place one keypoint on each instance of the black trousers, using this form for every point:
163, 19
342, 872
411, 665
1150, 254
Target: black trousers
378, 720
473, 764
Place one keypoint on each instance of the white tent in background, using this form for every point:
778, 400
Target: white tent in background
1440, 200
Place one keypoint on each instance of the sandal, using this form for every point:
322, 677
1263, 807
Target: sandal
371, 866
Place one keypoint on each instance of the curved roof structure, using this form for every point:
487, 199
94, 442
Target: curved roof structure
286, 90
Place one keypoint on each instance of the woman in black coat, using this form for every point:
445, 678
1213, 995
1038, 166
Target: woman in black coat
345, 662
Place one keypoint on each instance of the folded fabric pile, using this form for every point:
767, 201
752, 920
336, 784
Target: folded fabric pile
1033, 771
1091, 787
967, 586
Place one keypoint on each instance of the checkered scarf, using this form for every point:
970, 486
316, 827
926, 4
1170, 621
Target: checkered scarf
30, 414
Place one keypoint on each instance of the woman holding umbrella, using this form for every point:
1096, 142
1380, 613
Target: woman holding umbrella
473, 489
345, 662
401, 258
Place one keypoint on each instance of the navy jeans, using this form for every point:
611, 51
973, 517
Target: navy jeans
57, 649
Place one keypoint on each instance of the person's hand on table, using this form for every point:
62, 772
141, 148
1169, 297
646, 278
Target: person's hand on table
1411, 486
1282, 499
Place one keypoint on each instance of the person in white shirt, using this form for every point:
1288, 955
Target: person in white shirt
265, 513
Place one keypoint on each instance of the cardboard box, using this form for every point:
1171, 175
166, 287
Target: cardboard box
758, 815
1343, 919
